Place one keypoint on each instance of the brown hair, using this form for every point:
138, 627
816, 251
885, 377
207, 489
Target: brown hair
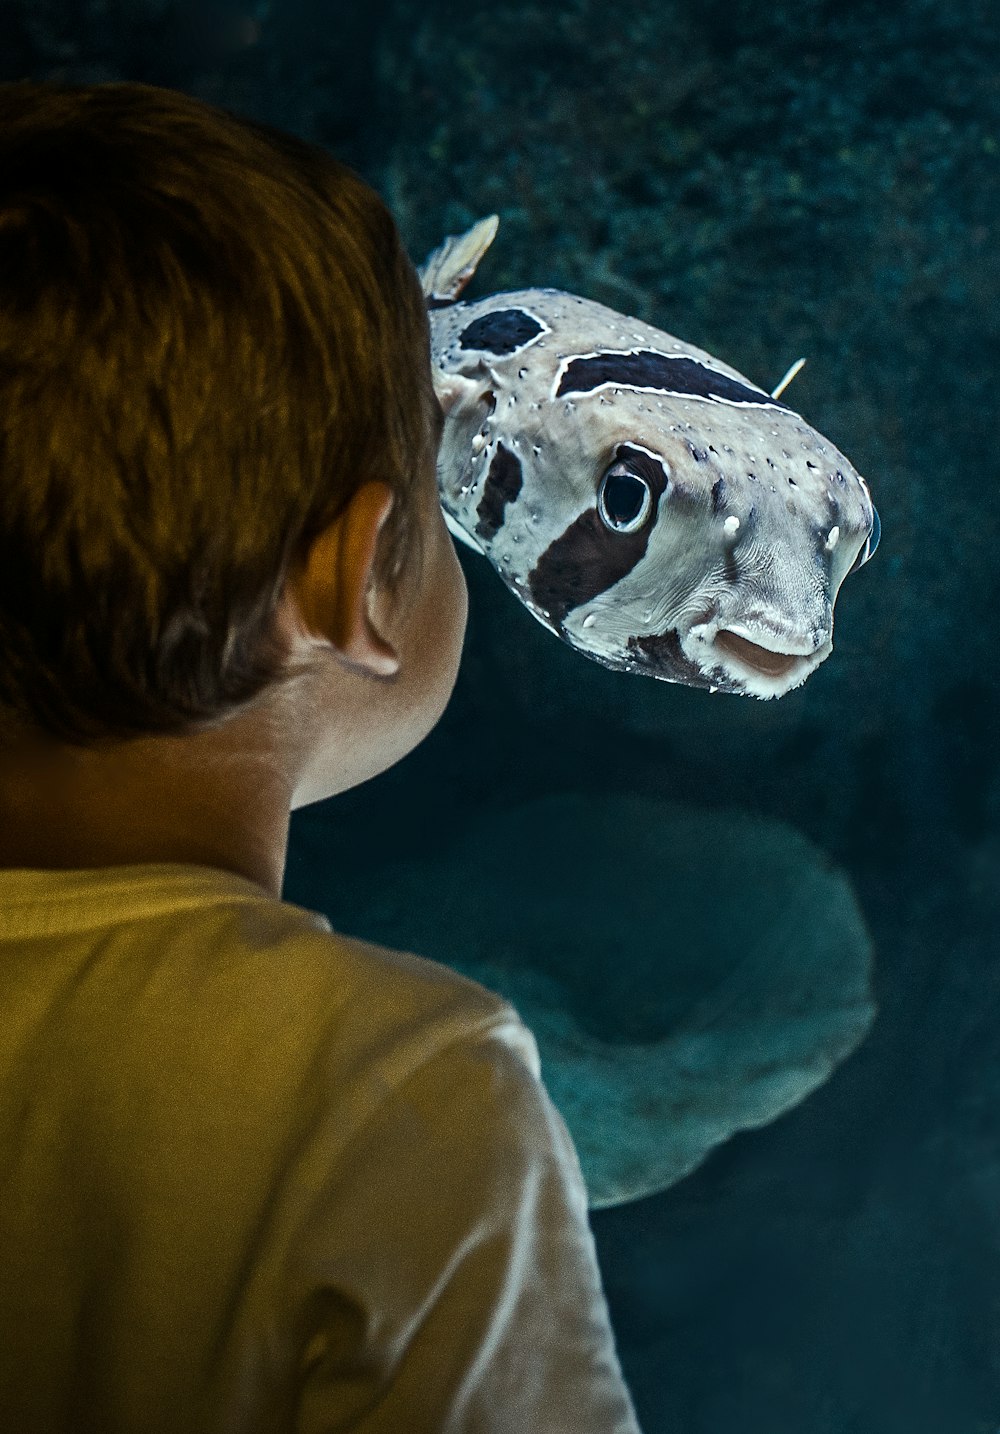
210, 337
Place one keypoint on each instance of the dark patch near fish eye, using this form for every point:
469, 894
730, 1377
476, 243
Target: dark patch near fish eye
501, 332
719, 495
677, 376
584, 561
654, 470
503, 484
661, 653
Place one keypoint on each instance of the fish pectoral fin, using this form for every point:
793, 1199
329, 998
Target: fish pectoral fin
446, 271
457, 531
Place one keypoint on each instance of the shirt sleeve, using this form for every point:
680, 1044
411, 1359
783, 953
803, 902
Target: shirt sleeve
452, 1279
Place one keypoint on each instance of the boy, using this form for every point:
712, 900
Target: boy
253, 1175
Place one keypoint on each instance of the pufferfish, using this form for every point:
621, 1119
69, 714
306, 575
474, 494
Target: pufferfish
646, 503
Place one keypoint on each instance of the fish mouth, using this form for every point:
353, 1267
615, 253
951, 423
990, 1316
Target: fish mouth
762, 660
769, 667
766, 660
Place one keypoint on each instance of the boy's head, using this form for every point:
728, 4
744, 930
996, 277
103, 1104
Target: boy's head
220, 540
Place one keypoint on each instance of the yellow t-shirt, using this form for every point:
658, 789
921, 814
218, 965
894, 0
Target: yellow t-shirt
256, 1175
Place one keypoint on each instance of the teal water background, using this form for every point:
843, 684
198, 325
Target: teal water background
764, 181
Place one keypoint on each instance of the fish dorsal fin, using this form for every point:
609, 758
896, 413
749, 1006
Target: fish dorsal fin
447, 270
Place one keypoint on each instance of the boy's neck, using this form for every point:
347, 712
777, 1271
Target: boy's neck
132, 804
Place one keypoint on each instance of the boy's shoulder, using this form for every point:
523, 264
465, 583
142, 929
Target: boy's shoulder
292, 1016
270, 967
185, 988
280, 943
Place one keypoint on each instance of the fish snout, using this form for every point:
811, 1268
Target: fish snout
789, 663
765, 658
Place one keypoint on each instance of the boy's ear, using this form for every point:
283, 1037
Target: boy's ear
332, 590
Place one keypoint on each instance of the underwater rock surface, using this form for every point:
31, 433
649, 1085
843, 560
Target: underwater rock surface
687, 973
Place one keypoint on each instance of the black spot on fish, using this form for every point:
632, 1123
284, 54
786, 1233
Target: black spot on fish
678, 375
585, 560
719, 495
661, 653
503, 484
500, 332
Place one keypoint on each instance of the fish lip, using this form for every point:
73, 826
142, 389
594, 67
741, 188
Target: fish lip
767, 661
783, 643
735, 669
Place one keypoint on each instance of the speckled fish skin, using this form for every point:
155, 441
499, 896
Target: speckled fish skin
564, 417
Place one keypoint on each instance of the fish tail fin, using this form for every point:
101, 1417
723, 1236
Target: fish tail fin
446, 271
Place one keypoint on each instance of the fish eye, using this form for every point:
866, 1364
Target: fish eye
871, 544
623, 499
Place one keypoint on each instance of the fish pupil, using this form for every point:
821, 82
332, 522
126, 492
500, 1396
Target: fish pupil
622, 497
